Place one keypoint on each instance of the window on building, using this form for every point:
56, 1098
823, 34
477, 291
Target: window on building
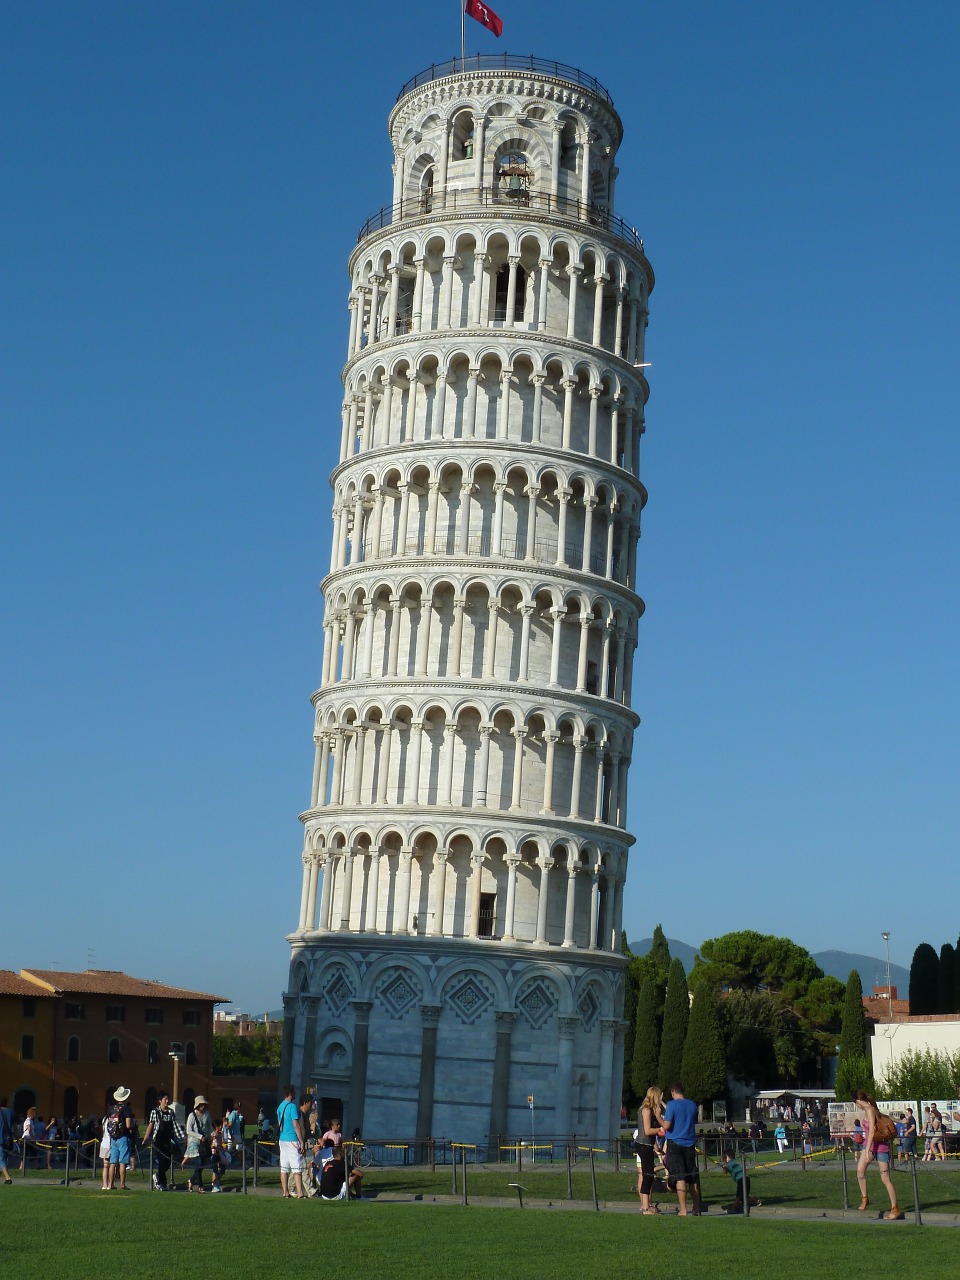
153, 1015
191, 1054
73, 1049
113, 1050
74, 1012
26, 1048
29, 1007
153, 1052
191, 1017
116, 1013
488, 913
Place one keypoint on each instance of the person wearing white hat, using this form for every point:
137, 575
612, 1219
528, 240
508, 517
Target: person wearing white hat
120, 1128
199, 1134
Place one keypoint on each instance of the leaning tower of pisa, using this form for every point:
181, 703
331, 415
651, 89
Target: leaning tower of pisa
457, 950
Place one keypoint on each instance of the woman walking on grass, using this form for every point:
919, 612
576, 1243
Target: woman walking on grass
876, 1147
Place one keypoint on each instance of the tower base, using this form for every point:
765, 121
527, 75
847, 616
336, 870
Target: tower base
413, 1038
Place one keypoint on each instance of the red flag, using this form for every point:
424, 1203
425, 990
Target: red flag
484, 15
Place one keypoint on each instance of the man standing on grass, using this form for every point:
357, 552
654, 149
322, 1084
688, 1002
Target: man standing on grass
292, 1144
680, 1124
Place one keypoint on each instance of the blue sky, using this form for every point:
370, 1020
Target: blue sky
182, 184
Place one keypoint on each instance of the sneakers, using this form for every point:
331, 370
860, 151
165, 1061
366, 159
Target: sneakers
214, 1190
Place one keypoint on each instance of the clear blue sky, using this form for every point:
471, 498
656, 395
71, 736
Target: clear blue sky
181, 185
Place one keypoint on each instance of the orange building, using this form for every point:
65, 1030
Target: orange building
68, 1039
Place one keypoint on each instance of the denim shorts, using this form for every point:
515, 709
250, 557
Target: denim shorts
119, 1150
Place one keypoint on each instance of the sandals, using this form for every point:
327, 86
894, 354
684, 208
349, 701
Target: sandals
894, 1215
863, 1204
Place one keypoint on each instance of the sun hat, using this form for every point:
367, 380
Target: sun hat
199, 1100
121, 1094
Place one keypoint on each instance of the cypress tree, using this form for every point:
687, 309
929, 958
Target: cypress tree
660, 949
854, 1073
646, 1041
704, 1064
853, 1028
924, 980
956, 977
945, 975
676, 1016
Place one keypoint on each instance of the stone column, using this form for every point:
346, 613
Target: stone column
500, 1093
383, 778
519, 734
423, 645
570, 905
568, 385
349, 636
599, 281
376, 523
476, 865
326, 894
339, 747
312, 894
369, 614
574, 271
433, 511
582, 653
564, 496
413, 769
428, 1073
555, 159
440, 405
490, 647
512, 264
585, 173
385, 431
618, 327
470, 404
394, 300
598, 806
446, 782
532, 491
551, 739
499, 489
513, 864
373, 891
466, 489
588, 507
503, 408
358, 1071
563, 1107
393, 654
346, 893
446, 292
318, 740
359, 740
403, 892
578, 746
608, 1029
594, 906
537, 430
558, 613
479, 138
595, 394
439, 892
483, 770
527, 611
417, 318
543, 297
456, 636
544, 863
305, 891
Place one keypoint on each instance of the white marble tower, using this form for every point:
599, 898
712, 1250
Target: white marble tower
466, 843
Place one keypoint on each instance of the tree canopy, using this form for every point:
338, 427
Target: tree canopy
924, 980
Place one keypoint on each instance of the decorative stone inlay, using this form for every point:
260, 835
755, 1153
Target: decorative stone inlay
537, 1003
589, 1008
398, 993
338, 991
469, 999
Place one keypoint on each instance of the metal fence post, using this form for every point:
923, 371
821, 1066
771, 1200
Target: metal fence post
463, 1150
916, 1190
256, 1161
66, 1170
243, 1166
453, 1152
569, 1174
593, 1179
843, 1174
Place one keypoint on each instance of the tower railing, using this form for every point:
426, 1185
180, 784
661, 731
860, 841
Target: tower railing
506, 62
429, 204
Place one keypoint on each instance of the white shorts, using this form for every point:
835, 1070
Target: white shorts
291, 1161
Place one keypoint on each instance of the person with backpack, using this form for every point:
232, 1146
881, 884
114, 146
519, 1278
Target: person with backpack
166, 1131
199, 1143
120, 1128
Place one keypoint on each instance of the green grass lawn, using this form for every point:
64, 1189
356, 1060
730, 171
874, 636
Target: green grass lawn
52, 1233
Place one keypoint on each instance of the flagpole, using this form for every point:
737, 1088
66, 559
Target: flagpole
463, 37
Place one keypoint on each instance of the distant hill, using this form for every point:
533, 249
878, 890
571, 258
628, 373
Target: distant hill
837, 964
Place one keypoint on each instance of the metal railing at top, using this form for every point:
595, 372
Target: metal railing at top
506, 62
472, 198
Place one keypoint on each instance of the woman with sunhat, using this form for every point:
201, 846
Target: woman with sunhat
199, 1135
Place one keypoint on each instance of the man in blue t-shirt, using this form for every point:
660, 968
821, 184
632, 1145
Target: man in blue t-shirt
680, 1123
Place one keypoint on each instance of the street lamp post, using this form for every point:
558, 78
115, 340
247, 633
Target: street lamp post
885, 935
177, 1056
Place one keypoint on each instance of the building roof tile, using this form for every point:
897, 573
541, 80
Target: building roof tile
11, 984
108, 982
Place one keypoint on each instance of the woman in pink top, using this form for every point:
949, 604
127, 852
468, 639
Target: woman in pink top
874, 1150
